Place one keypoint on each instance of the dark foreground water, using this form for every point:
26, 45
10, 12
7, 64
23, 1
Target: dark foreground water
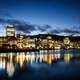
42, 65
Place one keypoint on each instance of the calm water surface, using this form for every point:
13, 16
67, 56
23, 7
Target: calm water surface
40, 65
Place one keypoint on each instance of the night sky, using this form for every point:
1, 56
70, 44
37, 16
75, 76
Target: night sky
61, 17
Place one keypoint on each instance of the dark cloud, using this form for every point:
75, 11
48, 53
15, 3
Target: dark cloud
13, 21
54, 31
24, 26
44, 28
10, 21
2, 20
67, 31
71, 31
47, 26
19, 25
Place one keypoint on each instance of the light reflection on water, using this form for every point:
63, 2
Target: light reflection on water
9, 62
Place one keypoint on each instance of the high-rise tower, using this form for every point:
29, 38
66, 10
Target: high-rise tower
10, 31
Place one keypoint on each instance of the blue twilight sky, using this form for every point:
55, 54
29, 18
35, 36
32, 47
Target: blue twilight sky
60, 17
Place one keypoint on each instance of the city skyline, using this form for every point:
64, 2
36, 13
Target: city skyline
59, 17
39, 39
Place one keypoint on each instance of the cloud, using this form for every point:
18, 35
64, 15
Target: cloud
71, 31
2, 21
24, 26
54, 31
30, 28
44, 28
19, 25
66, 31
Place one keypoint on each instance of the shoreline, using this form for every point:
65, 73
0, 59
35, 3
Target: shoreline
31, 50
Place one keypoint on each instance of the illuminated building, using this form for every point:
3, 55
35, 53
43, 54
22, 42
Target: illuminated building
28, 42
2, 41
49, 37
66, 41
41, 41
57, 45
10, 37
71, 45
24, 42
50, 42
20, 41
31, 43
10, 31
44, 43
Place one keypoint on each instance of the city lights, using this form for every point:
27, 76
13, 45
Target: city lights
42, 41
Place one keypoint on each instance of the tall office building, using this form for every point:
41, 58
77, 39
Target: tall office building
10, 31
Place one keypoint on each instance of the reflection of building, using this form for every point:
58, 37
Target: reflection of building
2, 64
10, 30
67, 57
10, 69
